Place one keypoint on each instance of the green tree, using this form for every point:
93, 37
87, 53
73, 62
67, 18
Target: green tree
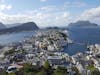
3, 72
46, 65
29, 69
11, 74
95, 72
91, 67
11, 51
60, 71
76, 70
42, 72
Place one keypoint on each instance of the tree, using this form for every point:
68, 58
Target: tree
76, 70
91, 67
11, 51
46, 65
29, 69
95, 72
41, 73
60, 71
3, 72
11, 74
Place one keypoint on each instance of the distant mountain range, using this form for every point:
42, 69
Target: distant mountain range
2, 26
13, 25
82, 24
22, 27
9, 28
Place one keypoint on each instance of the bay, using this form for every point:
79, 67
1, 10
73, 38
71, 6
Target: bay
15, 37
80, 36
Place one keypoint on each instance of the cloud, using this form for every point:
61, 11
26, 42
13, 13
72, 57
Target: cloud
42, 19
43, 0
5, 7
48, 8
92, 14
74, 4
2, 1
45, 16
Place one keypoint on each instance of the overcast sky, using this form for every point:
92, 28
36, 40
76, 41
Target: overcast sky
49, 12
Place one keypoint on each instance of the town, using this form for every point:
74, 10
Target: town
45, 49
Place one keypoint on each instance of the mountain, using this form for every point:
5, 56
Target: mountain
82, 24
2, 26
23, 27
13, 25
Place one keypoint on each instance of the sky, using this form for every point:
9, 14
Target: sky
49, 12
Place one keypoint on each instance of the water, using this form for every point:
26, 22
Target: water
83, 35
15, 37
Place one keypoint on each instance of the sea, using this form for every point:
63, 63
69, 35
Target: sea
15, 37
80, 36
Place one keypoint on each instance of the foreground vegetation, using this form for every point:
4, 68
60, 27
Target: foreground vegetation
29, 69
46, 69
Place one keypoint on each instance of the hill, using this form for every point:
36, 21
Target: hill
13, 25
2, 26
23, 27
82, 24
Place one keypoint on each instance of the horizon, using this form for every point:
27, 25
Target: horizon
18, 24
49, 13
